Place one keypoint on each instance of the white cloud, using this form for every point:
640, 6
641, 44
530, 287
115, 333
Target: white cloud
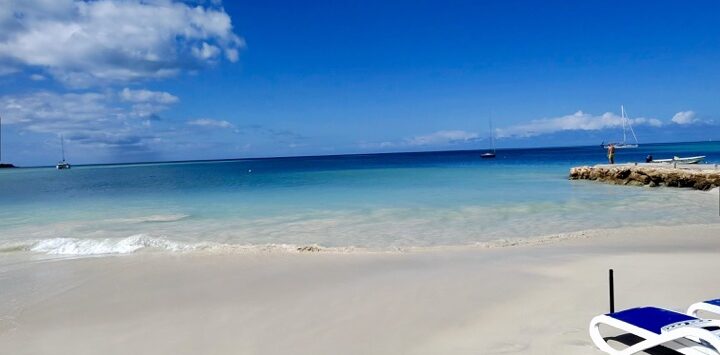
98, 119
208, 122
82, 43
439, 138
146, 103
37, 77
147, 96
47, 112
684, 117
206, 51
443, 137
577, 121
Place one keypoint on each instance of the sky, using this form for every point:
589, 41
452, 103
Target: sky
154, 80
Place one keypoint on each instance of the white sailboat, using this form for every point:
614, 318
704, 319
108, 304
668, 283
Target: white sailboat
626, 125
63, 164
488, 155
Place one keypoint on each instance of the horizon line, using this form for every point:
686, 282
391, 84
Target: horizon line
330, 155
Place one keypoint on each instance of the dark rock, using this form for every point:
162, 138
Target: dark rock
309, 249
649, 176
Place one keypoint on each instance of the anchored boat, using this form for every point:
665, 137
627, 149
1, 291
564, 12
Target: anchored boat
489, 155
688, 160
63, 164
626, 126
3, 165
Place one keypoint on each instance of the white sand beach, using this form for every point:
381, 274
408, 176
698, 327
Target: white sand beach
531, 299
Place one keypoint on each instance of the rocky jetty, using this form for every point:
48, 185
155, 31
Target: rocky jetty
650, 175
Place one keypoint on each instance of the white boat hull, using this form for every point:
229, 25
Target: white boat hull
622, 146
688, 160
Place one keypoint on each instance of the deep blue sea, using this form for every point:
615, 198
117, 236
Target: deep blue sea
380, 201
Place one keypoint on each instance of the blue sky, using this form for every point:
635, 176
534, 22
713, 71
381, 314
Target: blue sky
166, 80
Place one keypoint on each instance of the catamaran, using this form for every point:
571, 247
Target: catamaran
3, 165
626, 125
63, 164
488, 155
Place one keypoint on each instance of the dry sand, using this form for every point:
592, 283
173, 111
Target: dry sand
532, 299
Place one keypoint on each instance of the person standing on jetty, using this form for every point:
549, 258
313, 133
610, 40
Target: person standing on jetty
611, 153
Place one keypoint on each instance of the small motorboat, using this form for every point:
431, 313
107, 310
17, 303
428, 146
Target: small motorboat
676, 159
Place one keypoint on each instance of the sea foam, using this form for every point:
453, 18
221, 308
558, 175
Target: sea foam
74, 246
143, 242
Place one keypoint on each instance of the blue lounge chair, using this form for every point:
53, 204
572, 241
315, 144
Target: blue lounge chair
659, 327
712, 306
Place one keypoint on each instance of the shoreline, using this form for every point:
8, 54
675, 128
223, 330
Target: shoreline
513, 300
59, 248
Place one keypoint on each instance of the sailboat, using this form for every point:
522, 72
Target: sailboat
63, 164
489, 155
3, 165
626, 125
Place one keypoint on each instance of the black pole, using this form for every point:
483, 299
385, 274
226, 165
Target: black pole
612, 292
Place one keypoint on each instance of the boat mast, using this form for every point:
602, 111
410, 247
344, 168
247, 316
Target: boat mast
622, 114
62, 146
492, 134
630, 125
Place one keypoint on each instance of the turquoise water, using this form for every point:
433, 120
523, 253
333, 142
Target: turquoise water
365, 201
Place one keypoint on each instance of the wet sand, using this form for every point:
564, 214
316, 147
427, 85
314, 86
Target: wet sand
527, 299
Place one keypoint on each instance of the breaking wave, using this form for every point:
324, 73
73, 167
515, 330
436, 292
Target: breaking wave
158, 218
74, 246
142, 242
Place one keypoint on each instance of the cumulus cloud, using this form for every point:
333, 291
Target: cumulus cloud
147, 103
284, 136
81, 43
439, 138
208, 122
684, 117
147, 96
98, 119
577, 121
443, 137
206, 51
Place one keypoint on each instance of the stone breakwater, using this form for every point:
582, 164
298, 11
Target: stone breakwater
644, 175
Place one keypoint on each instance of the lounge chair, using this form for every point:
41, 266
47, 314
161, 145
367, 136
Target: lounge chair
712, 306
656, 327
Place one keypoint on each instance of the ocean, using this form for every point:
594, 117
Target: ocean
349, 202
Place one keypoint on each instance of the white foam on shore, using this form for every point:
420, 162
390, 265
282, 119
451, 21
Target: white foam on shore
142, 242
159, 218
74, 246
